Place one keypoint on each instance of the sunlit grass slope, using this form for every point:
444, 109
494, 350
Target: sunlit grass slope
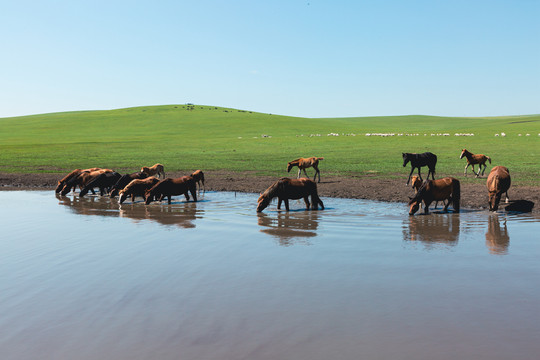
185, 138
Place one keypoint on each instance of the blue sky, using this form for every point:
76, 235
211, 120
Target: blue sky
307, 58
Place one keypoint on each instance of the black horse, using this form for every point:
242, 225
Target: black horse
103, 182
418, 160
124, 180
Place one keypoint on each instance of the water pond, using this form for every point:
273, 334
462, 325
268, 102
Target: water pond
89, 279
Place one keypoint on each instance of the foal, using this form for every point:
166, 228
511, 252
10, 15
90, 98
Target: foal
473, 159
304, 163
153, 170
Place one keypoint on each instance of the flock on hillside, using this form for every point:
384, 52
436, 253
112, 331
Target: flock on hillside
150, 184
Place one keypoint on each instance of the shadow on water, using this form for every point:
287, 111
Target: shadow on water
497, 237
181, 214
289, 227
433, 229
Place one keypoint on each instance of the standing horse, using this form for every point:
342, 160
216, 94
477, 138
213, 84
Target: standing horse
436, 190
498, 182
155, 169
285, 189
169, 187
418, 160
473, 159
304, 163
198, 176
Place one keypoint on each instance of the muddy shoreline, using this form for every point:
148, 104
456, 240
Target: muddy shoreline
473, 196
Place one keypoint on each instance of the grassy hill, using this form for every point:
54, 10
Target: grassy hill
188, 137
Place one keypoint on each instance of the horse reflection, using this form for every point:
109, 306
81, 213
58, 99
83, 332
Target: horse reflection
497, 238
290, 227
181, 215
433, 230
91, 205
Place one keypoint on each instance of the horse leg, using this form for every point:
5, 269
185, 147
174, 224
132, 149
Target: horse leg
447, 204
317, 172
306, 200
465, 172
286, 204
484, 170
186, 195
507, 199
420, 175
306, 173
169, 201
299, 172
279, 203
426, 207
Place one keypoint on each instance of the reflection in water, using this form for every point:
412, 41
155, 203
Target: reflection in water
290, 225
433, 229
182, 215
497, 238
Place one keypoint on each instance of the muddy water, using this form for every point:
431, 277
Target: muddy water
88, 279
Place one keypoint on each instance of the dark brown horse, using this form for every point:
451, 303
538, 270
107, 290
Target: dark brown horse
304, 163
473, 159
82, 180
285, 189
70, 176
418, 160
124, 180
104, 182
498, 182
198, 176
137, 187
171, 187
437, 190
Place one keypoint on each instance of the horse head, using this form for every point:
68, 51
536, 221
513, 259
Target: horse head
122, 196
262, 202
405, 159
463, 151
289, 167
414, 205
494, 200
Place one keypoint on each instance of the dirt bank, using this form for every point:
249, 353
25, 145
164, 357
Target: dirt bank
365, 187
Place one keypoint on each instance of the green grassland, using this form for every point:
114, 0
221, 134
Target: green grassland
185, 138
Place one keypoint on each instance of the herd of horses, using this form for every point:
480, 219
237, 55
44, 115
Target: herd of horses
142, 183
151, 188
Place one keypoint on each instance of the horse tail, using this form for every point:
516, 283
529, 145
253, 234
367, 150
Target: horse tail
320, 158
456, 194
489, 159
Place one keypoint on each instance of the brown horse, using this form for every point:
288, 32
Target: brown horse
70, 176
304, 163
498, 182
473, 159
436, 190
169, 187
82, 179
153, 170
285, 189
137, 187
417, 184
198, 176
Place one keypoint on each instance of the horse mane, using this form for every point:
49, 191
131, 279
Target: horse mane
273, 189
420, 194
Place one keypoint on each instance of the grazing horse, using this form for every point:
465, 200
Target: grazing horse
103, 182
169, 187
473, 159
70, 176
436, 190
156, 169
304, 163
198, 176
418, 160
137, 187
82, 180
498, 182
124, 180
285, 189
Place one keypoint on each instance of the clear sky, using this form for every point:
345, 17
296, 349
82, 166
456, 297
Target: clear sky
309, 58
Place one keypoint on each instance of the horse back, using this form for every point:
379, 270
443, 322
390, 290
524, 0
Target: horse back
498, 179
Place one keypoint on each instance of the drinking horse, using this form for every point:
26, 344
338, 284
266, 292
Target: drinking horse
198, 176
473, 159
436, 190
418, 160
304, 163
285, 189
498, 182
